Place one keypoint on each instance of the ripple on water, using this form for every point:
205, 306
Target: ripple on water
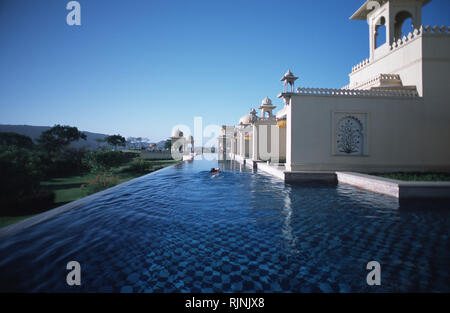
183, 230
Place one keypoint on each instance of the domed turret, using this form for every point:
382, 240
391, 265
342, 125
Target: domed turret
245, 120
266, 107
177, 133
290, 79
266, 102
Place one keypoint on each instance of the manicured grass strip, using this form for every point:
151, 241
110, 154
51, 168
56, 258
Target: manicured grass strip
67, 189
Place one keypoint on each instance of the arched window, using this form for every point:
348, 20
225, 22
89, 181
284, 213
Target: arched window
350, 136
380, 32
403, 24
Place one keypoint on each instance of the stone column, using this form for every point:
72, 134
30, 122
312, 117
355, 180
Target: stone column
242, 136
231, 146
224, 147
255, 141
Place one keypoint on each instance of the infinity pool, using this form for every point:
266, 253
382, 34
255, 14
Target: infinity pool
182, 230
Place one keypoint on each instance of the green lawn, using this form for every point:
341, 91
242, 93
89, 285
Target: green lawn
69, 189
417, 176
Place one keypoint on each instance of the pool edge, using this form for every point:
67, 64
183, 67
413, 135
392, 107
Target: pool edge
41, 217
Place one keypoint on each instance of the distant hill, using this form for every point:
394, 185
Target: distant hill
161, 145
35, 131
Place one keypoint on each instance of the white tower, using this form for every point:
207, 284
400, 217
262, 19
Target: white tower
386, 18
290, 79
190, 141
178, 141
266, 107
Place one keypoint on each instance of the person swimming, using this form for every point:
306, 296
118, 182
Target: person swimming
214, 170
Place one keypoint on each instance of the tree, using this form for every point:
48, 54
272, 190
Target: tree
115, 140
15, 139
59, 137
168, 144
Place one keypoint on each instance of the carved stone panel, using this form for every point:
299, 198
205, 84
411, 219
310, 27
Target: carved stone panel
349, 133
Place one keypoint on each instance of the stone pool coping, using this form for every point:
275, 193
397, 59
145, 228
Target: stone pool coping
41, 217
396, 188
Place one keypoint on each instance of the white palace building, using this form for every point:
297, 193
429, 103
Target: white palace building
394, 115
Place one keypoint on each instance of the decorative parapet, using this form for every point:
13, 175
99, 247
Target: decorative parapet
387, 77
357, 92
360, 65
435, 30
380, 78
421, 31
271, 118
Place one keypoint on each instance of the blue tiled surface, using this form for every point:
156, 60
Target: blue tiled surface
183, 230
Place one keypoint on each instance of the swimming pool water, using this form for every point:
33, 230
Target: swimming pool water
182, 230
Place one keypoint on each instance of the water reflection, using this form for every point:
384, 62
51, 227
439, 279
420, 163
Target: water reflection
289, 237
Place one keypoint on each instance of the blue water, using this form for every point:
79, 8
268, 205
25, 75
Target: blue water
182, 230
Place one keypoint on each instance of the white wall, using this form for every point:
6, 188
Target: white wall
282, 143
436, 67
403, 133
405, 61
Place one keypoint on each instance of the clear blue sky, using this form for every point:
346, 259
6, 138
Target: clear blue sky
140, 67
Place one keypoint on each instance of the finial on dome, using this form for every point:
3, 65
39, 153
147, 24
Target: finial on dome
266, 101
177, 133
266, 107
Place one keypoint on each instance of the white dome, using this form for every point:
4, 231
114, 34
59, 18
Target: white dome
177, 133
266, 101
288, 74
245, 120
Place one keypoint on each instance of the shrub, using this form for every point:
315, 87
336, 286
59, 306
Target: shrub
139, 165
20, 175
99, 183
101, 161
19, 170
